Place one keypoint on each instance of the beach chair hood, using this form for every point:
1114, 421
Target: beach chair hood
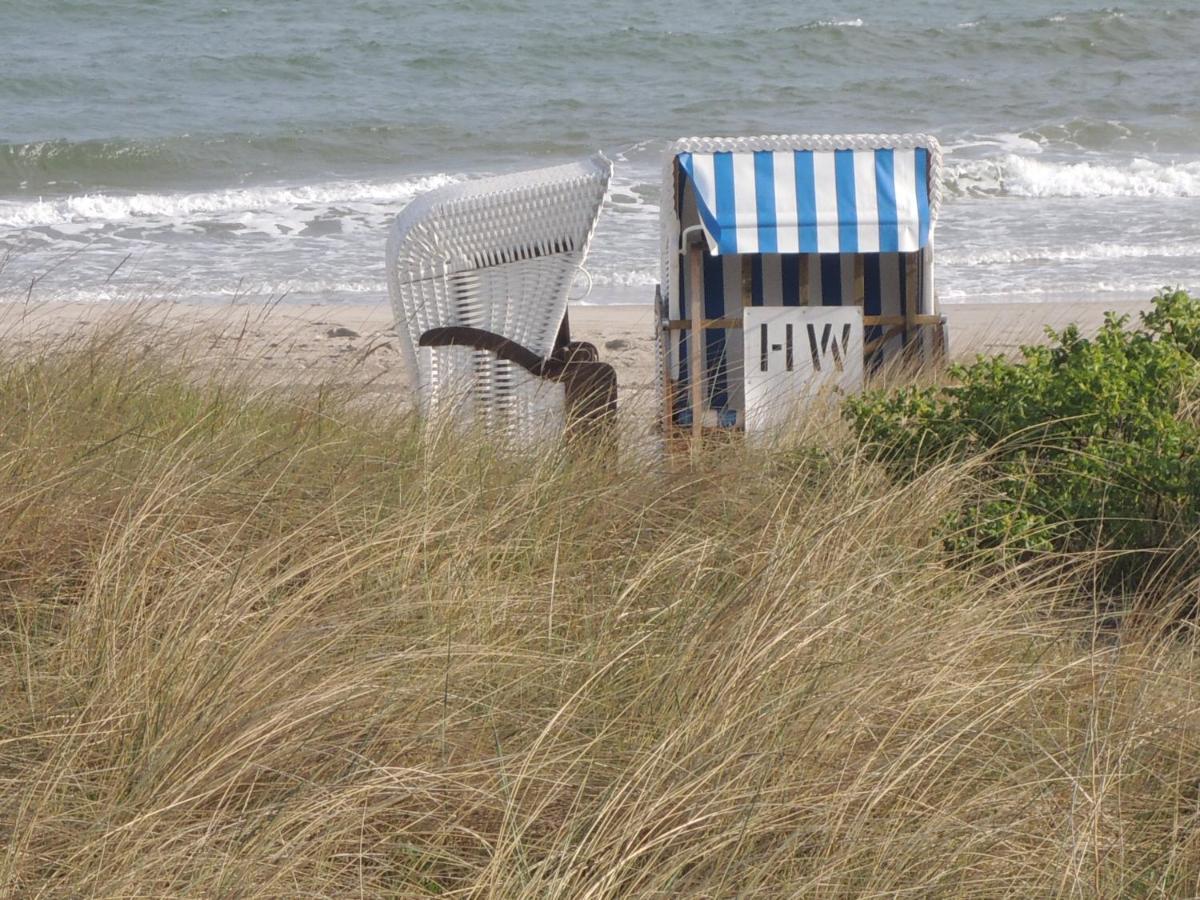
810, 194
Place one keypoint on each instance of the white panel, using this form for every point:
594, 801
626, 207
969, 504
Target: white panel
825, 188
704, 174
745, 198
823, 357
846, 267
928, 306
866, 201
889, 284
732, 277
815, 289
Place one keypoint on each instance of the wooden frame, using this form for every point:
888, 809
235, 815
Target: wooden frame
868, 321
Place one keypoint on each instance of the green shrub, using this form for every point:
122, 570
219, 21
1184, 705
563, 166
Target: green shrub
1085, 444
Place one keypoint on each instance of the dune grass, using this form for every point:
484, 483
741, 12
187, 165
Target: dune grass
265, 645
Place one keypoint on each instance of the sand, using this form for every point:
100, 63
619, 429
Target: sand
285, 345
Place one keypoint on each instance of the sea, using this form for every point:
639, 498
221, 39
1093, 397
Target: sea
242, 151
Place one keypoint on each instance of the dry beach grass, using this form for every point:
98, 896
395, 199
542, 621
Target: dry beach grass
264, 643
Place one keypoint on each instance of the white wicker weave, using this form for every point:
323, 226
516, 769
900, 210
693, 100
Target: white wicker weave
498, 254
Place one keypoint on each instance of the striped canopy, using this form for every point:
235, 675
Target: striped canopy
807, 201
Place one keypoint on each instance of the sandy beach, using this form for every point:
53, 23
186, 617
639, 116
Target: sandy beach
354, 345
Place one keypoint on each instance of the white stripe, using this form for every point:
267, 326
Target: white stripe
732, 276
866, 201
745, 197
772, 280
825, 187
815, 294
787, 219
906, 200
847, 266
706, 186
928, 293
889, 284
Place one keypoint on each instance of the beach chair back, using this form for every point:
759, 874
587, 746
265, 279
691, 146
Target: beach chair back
494, 256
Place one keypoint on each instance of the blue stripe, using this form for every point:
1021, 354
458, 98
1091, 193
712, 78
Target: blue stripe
873, 301
847, 201
904, 260
789, 270
764, 192
872, 285
806, 201
726, 211
831, 279
684, 161
922, 167
714, 344
756, 280
885, 191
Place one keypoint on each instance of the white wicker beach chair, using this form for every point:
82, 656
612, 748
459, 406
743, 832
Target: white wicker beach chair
479, 275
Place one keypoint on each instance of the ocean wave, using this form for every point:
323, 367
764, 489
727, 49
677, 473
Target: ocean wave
1014, 175
115, 208
58, 166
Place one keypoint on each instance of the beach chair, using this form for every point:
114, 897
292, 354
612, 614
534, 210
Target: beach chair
791, 265
479, 275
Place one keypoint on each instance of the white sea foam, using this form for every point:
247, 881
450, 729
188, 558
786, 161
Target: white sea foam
835, 23
626, 278
999, 142
242, 204
1124, 289
1021, 176
1079, 253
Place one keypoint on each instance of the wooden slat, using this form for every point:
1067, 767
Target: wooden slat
939, 343
684, 324
668, 386
912, 308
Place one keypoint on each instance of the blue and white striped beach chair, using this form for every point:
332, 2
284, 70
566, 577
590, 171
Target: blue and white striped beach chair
790, 221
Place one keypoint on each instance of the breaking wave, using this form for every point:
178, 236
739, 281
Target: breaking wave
1078, 253
1014, 175
114, 208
